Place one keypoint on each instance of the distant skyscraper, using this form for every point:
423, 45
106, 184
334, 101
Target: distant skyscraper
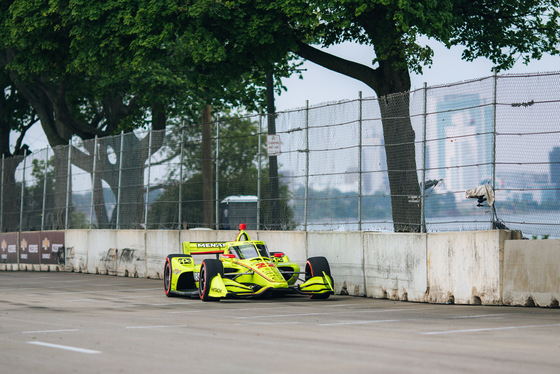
459, 148
554, 158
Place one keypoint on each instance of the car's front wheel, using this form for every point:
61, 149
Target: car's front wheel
167, 271
317, 267
208, 270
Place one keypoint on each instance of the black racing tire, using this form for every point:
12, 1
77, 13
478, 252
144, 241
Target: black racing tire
314, 267
167, 273
208, 270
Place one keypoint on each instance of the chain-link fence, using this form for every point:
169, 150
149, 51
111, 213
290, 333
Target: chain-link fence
399, 163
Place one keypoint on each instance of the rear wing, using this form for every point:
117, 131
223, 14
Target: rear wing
203, 248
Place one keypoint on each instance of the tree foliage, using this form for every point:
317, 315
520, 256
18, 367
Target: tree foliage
503, 31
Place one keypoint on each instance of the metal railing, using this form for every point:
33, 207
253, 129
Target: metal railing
501, 130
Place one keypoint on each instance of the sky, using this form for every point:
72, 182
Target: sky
320, 85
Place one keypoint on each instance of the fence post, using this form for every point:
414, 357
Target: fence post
259, 161
68, 184
2, 196
306, 197
22, 190
423, 184
494, 116
148, 182
360, 161
119, 181
93, 182
217, 192
180, 199
44, 189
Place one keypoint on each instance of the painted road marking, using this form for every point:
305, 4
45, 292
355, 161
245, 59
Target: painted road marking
47, 331
65, 347
328, 313
487, 329
155, 326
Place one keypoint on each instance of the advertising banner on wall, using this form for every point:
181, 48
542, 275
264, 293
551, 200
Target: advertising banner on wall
29, 243
52, 247
8, 248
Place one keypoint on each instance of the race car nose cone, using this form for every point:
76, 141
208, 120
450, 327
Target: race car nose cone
242, 226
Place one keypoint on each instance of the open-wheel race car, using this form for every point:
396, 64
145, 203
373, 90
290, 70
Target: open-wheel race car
243, 268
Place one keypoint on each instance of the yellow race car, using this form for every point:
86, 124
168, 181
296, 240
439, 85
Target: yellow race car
243, 268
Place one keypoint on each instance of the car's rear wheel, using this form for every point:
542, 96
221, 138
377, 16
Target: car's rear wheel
208, 270
315, 267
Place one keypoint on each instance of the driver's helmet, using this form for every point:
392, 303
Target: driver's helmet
247, 250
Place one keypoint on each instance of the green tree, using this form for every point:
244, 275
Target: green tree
251, 33
98, 68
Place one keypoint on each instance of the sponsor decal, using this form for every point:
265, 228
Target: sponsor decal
12, 248
33, 248
215, 289
56, 247
46, 243
210, 245
23, 245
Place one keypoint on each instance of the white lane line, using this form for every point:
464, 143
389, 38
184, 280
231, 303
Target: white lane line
479, 316
348, 311
65, 347
346, 323
47, 331
155, 326
265, 323
487, 329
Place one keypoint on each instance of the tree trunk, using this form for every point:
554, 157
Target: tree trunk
391, 83
207, 174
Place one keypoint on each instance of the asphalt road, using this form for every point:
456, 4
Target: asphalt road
83, 323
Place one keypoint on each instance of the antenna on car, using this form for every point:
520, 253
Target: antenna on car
242, 233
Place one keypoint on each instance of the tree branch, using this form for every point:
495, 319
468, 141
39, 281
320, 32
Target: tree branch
363, 73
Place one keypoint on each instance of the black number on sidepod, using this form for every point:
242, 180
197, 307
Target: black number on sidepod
208, 270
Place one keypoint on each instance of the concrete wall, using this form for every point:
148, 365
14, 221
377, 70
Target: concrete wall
531, 273
464, 267
478, 267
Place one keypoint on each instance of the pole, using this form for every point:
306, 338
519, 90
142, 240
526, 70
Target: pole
44, 189
274, 218
217, 178
360, 161
148, 182
180, 199
93, 182
494, 116
259, 161
22, 190
118, 222
306, 197
423, 195
68, 184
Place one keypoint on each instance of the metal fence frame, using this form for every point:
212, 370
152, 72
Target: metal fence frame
425, 117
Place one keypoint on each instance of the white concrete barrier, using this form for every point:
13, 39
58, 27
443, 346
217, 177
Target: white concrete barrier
532, 272
478, 267
345, 253
466, 267
395, 266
